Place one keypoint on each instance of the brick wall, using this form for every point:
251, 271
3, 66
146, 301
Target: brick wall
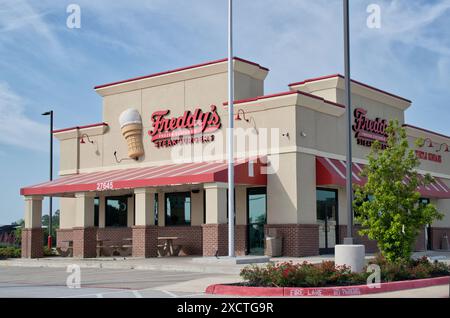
114, 235
190, 237
84, 242
297, 239
63, 235
215, 238
32, 243
145, 240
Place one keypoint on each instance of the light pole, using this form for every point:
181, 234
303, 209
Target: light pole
230, 132
348, 107
49, 238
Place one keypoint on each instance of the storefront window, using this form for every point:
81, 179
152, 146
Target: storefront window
116, 211
178, 208
96, 211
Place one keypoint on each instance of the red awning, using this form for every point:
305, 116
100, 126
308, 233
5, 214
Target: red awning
246, 172
333, 172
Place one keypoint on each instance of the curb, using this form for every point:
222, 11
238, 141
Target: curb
325, 291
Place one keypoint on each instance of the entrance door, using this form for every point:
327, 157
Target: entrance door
327, 218
256, 219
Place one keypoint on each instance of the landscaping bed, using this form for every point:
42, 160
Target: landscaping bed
326, 274
326, 279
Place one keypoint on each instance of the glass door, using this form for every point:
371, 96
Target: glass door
327, 218
256, 219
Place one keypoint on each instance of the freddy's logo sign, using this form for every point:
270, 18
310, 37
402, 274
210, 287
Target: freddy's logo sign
368, 130
169, 132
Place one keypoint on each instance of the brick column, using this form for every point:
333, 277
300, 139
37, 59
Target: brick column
32, 234
84, 232
215, 231
145, 233
215, 239
298, 240
32, 243
145, 241
84, 242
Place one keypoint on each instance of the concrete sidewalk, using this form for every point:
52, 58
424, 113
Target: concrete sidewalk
182, 264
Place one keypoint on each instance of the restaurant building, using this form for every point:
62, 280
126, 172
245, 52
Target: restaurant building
132, 176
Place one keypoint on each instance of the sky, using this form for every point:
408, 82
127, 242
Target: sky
46, 65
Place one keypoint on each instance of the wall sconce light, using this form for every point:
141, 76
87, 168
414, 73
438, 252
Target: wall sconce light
286, 135
241, 111
303, 134
82, 139
430, 143
445, 146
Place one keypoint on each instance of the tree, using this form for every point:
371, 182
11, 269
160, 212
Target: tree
388, 204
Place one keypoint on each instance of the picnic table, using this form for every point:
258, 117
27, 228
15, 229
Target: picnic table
168, 248
123, 249
101, 247
69, 251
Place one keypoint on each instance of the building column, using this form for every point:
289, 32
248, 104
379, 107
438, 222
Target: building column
161, 209
84, 232
145, 233
240, 241
32, 234
101, 211
215, 231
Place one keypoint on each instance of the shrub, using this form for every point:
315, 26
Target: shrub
306, 274
301, 275
48, 251
10, 252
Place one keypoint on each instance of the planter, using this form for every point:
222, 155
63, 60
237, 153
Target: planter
325, 291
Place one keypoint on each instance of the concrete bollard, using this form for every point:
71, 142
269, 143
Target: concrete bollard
350, 255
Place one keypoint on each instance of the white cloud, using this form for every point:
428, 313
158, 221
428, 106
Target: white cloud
16, 128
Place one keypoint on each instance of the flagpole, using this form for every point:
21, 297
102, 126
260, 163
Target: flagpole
230, 132
348, 103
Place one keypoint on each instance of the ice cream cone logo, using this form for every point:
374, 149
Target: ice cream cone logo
131, 126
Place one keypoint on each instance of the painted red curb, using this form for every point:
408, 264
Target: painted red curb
325, 291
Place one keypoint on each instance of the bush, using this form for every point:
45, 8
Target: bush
9, 252
325, 274
301, 275
49, 251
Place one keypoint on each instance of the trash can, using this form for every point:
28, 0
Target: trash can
273, 246
444, 242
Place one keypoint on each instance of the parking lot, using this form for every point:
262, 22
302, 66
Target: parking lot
104, 283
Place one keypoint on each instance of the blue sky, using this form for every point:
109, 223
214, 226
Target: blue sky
45, 65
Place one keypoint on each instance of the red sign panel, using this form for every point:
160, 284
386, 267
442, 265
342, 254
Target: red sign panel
428, 156
368, 130
188, 128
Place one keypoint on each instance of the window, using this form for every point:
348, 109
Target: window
116, 213
96, 211
178, 208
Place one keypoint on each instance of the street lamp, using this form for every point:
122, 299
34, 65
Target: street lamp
230, 132
348, 104
49, 238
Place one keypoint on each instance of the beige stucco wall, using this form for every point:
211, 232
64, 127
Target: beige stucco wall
307, 127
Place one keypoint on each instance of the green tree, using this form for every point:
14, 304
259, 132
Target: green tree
393, 216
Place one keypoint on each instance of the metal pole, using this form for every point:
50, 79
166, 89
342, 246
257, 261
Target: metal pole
50, 223
230, 132
348, 107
